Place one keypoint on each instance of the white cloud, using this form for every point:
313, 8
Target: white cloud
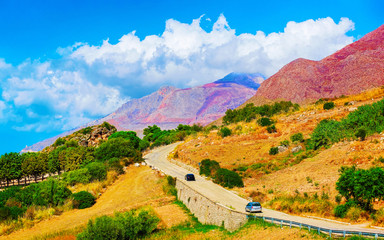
92, 81
185, 54
47, 92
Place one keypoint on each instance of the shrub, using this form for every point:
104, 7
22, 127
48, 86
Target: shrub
128, 135
297, 137
271, 129
114, 164
83, 200
273, 150
209, 167
128, 225
361, 133
81, 175
228, 178
264, 121
225, 132
50, 192
328, 105
341, 210
284, 143
118, 148
59, 142
97, 171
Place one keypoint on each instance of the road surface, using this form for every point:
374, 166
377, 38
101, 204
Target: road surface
158, 159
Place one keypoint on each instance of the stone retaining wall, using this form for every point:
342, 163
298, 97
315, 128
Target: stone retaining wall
208, 211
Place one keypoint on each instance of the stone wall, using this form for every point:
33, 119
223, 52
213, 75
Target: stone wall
207, 211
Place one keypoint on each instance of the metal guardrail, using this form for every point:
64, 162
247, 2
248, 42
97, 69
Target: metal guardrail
327, 231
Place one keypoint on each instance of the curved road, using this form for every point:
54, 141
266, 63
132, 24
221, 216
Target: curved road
158, 159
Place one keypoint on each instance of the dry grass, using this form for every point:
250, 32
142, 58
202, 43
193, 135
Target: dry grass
286, 173
137, 187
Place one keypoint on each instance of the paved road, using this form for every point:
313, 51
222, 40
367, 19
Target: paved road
158, 158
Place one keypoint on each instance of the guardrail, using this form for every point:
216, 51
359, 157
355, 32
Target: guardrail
327, 231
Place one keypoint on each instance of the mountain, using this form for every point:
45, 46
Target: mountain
351, 70
169, 106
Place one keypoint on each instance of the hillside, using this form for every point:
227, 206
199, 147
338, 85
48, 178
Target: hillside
294, 171
169, 106
351, 70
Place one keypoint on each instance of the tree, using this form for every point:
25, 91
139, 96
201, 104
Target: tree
129, 135
10, 167
34, 164
119, 148
361, 185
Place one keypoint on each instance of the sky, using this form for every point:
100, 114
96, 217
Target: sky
65, 63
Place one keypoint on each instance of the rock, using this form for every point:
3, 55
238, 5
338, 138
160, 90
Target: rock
137, 164
296, 149
143, 163
282, 149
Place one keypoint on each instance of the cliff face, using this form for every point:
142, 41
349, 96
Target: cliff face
351, 70
170, 106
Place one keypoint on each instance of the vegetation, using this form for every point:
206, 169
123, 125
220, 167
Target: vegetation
225, 132
129, 225
328, 105
83, 200
360, 187
250, 112
154, 136
365, 121
297, 137
273, 150
222, 176
209, 167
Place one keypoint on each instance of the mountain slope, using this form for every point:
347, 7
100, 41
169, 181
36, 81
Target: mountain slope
351, 70
170, 106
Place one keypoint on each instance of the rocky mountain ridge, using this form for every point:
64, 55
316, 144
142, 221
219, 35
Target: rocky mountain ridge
351, 70
169, 106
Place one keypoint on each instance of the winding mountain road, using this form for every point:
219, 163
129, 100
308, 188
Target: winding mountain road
218, 194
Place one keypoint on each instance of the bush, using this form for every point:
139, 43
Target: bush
341, 210
228, 178
225, 132
81, 175
284, 143
97, 171
128, 225
114, 164
264, 121
50, 192
297, 137
209, 167
328, 105
118, 148
273, 150
83, 200
271, 129
361, 133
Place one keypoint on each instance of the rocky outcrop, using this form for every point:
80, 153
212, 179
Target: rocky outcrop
351, 70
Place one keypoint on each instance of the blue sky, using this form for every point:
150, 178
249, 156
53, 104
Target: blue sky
64, 63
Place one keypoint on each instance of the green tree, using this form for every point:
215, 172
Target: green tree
33, 164
10, 167
118, 148
361, 185
129, 135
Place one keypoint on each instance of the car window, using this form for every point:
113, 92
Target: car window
249, 204
256, 204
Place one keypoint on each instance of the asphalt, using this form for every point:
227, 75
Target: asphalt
157, 158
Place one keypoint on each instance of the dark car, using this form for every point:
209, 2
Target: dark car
253, 207
190, 177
